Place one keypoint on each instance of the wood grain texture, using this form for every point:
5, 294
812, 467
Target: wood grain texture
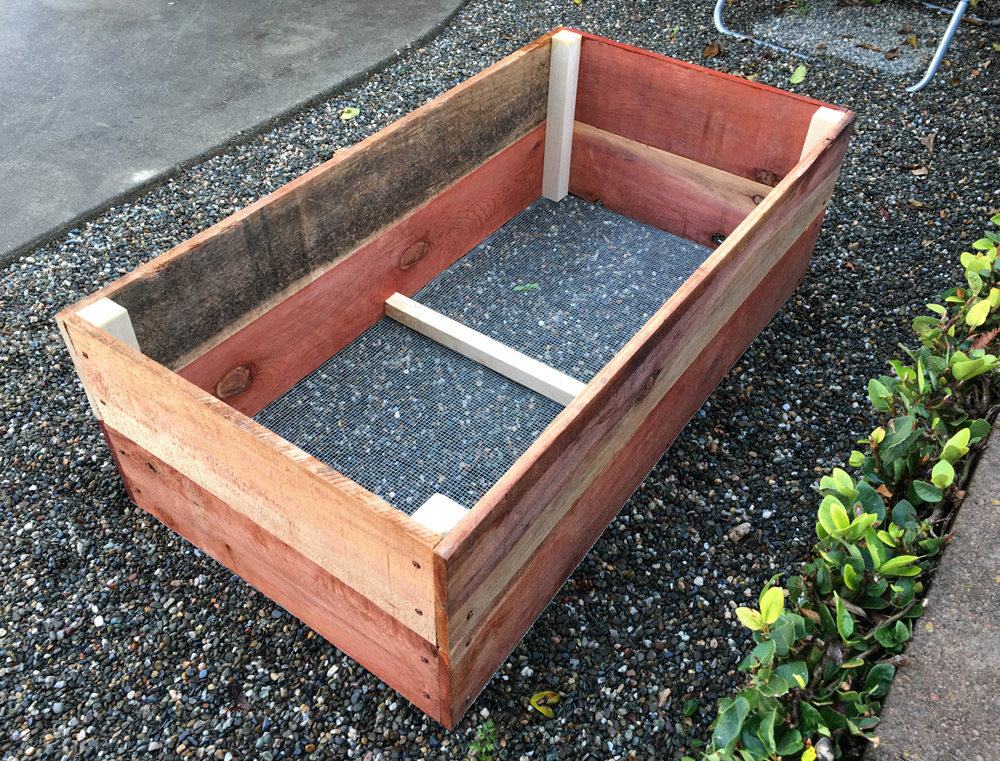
349, 532
709, 117
205, 289
510, 616
487, 551
502, 359
376, 640
691, 200
299, 334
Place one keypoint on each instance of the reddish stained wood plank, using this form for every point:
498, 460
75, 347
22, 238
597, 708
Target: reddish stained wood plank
683, 197
566, 546
488, 549
712, 118
354, 535
298, 335
376, 640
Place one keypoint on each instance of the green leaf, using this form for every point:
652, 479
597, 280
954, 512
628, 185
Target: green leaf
766, 730
845, 621
729, 724
798, 75
979, 429
838, 513
871, 500
978, 313
750, 618
783, 636
903, 513
788, 743
795, 673
927, 492
762, 655
349, 113
943, 475
878, 394
937, 309
809, 754
983, 244
850, 577
527, 287
772, 604
975, 282
690, 706
826, 621
878, 680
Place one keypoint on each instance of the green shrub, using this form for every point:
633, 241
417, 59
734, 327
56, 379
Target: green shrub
825, 655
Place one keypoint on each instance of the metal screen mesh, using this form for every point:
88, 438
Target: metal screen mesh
568, 283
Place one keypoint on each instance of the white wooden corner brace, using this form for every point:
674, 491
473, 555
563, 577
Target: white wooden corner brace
564, 69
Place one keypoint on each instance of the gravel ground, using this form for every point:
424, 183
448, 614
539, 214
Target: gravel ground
120, 640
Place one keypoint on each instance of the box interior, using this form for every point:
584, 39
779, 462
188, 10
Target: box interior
567, 283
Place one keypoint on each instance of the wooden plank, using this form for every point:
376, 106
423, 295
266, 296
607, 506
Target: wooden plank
485, 553
712, 118
369, 635
351, 533
205, 289
691, 200
485, 647
302, 332
113, 319
480, 348
564, 68
823, 121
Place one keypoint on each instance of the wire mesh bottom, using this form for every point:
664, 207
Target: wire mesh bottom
568, 283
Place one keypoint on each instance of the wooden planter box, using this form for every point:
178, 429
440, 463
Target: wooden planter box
230, 320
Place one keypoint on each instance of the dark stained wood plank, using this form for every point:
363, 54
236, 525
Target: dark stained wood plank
369, 635
703, 115
298, 335
220, 280
685, 198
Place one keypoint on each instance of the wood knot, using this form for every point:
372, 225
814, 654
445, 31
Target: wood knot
237, 380
647, 385
413, 254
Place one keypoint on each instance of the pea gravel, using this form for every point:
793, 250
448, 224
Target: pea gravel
120, 640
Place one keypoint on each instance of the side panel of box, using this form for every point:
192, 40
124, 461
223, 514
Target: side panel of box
200, 292
373, 638
486, 646
716, 119
607, 425
350, 533
298, 335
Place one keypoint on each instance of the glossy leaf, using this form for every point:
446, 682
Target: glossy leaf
772, 605
729, 724
750, 618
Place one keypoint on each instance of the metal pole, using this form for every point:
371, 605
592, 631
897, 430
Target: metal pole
717, 15
956, 19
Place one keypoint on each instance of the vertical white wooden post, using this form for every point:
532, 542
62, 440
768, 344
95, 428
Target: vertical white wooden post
564, 68
822, 122
113, 319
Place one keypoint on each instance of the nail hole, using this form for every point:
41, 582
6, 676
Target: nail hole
84, 355
757, 199
150, 466
468, 616
427, 696
121, 450
419, 612
424, 659
468, 641
416, 564
718, 238
103, 402
138, 491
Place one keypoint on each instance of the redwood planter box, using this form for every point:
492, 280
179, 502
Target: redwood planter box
180, 355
